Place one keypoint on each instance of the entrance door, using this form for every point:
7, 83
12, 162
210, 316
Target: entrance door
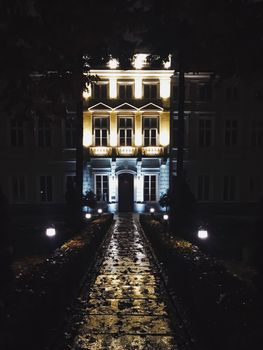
125, 192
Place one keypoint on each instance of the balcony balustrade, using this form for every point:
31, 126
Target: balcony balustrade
152, 151
100, 151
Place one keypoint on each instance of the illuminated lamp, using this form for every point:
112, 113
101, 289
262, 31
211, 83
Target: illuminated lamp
139, 60
88, 216
152, 210
202, 234
50, 232
165, 217
99, 211
113, 63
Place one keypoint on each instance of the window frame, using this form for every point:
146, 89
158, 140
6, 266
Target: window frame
204, 130
17, 133
102, 175
48, 195
125, 83
149, 84
100, 129
150, 186
125, 131
21, 196
230, 133
150, 129
99, 94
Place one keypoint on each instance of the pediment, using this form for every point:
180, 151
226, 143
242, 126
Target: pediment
101, 107
151, 107
126, 107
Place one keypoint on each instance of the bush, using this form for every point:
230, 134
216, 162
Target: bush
223, 309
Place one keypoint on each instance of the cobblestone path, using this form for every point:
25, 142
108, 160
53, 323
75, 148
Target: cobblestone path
126, 307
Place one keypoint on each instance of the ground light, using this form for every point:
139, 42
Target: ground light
88, 216
99, 211
50, 232
165, 217
202, 234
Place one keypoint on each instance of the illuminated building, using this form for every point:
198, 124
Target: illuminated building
126, 135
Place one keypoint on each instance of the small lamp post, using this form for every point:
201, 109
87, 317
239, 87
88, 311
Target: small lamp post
88, 216
50, 231
152, 211
202, 233
99, 211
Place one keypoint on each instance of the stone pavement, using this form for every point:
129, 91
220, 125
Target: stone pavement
126, 306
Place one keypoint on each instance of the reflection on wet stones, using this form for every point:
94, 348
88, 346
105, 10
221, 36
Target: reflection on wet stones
125, 308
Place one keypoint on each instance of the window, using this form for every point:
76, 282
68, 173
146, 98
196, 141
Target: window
46, 190
150, 90
204, 92
125, 91
257, 133
102, 187
17, 133
125, 131
150, 125
203, 188
175, 92
101, 128
70, 134
44, 133
230, 133
18, 189
100, 90
205, 132
231, 93
150, 188
229, 190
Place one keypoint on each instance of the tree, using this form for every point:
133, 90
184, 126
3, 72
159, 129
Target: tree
46, 49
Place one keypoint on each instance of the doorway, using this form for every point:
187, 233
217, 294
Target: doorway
126, 192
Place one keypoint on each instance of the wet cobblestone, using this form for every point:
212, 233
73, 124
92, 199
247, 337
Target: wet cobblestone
125, 307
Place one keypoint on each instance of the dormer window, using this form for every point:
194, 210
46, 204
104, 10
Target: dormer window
100, 90
125, 90
150, 90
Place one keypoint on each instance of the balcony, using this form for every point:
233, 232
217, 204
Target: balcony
100, 151
126, 151
152, 151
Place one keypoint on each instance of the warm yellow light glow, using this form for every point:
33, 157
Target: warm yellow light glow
126, 150
100, 151
113, 63
164, 137
86, 93
150, 151
167, 64
139, 60
113, 138
113, 87
87, 138
138, 87
138, 138
164, 87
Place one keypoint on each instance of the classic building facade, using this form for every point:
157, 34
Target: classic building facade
126, 138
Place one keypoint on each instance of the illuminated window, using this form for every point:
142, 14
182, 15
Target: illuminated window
125, 90
204, 92
125, 131
150, 131
150, 90
229, 189
150, 188
230, 133
256, 137
101, 128
203, 188
44, 133
205, 132
100, 90
102, 187
46, 190
17, 133
18, 189
70, 134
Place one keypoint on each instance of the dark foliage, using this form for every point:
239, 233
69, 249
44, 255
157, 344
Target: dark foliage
90, 200
224, 312
48, 289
